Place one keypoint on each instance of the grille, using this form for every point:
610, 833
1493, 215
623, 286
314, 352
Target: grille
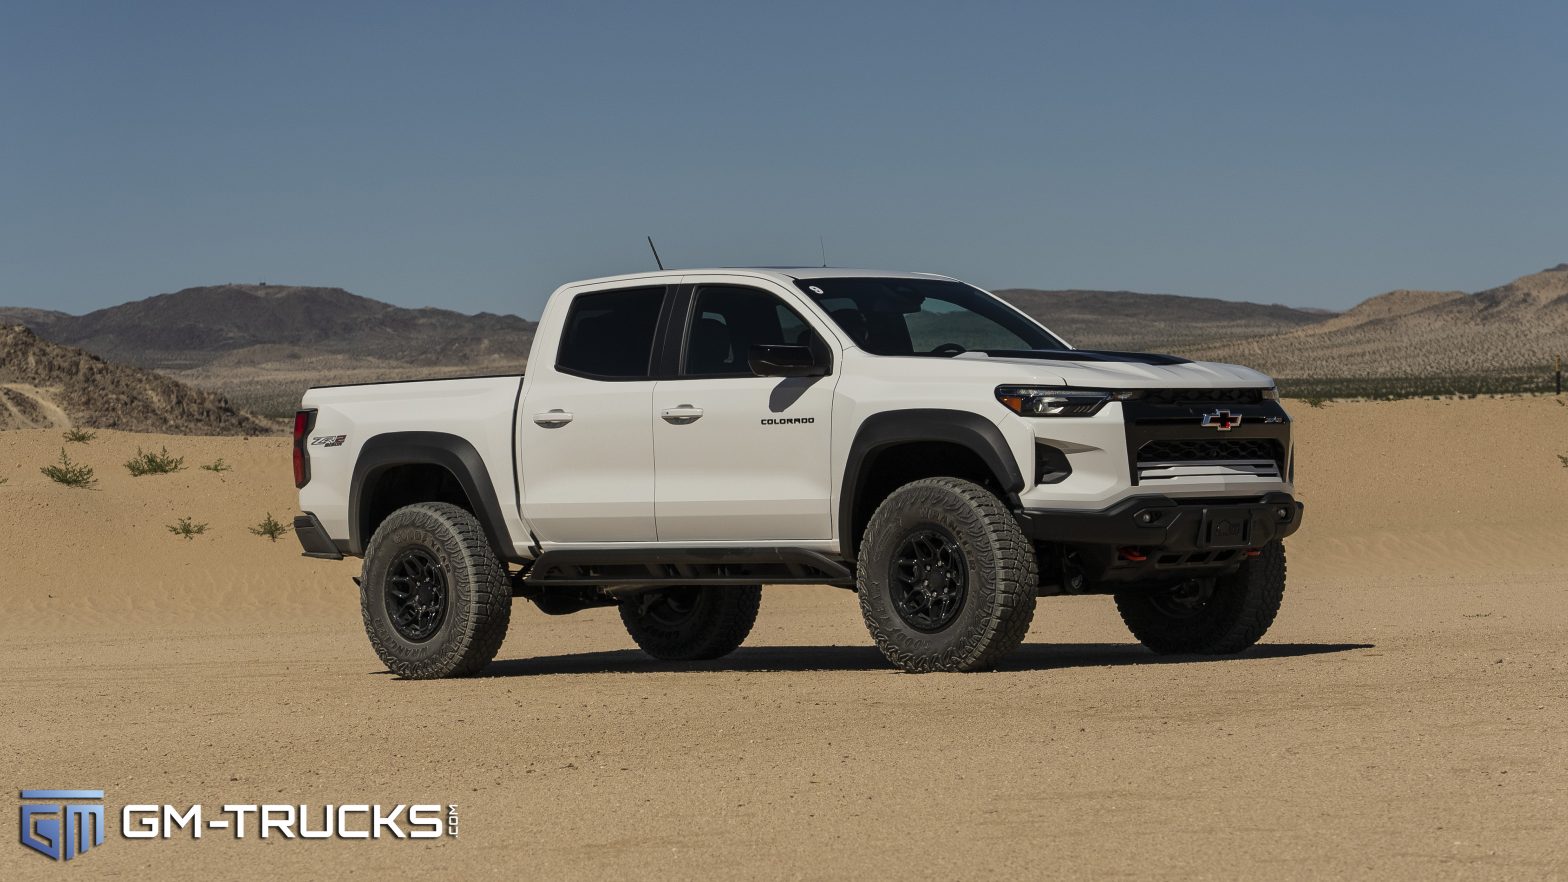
1211, 450
1203, 396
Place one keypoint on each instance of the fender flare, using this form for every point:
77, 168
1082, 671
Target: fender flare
455, 454
889, 428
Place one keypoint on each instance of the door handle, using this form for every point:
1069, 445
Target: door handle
681, 415
553, 419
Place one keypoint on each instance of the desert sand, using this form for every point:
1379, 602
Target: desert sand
1405, 718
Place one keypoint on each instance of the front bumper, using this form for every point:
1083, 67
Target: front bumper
1171, 524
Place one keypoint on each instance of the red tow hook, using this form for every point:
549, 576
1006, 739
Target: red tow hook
1131, 554
1254, 552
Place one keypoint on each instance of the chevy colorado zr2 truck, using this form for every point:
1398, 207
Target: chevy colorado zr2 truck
682, 438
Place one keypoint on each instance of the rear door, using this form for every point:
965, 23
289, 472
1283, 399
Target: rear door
740, 457
585, 420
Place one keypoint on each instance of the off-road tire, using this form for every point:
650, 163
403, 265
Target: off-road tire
691, 622
998, 567
1236, 614
478, 596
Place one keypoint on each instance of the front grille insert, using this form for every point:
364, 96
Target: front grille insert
1210, 458
1209, 450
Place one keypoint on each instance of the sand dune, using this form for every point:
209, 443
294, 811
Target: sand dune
1403, 718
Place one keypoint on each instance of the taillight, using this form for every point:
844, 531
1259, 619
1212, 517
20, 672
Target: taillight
303, 420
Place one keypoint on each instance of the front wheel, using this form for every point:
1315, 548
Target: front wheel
946, 578
691, 622
1221, 615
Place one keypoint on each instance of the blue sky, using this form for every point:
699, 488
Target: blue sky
475, 155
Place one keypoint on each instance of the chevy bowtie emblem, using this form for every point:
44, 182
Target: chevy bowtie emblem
1223, 420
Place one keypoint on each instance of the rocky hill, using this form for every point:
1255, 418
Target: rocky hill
44, 384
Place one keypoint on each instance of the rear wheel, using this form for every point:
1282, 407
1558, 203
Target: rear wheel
946, 578
691, 622
1213, 616
435, 599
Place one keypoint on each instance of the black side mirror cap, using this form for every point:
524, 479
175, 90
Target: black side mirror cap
784, 361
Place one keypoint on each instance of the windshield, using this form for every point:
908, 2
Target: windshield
886, 316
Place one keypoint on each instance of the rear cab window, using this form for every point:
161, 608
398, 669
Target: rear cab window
609, 335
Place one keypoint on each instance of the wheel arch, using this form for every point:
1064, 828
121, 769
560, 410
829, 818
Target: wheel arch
401, 468
975, 444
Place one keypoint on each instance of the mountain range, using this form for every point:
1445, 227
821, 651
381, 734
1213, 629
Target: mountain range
1517, 327
1154, 322
262, 345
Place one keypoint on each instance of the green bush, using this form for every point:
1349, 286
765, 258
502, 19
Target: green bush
69, 473
148, 463
79, 436
270, 528
218, 466
186, 530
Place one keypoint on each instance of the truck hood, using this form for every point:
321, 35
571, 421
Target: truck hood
1126, 370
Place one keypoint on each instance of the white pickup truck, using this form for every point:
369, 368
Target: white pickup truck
682, 438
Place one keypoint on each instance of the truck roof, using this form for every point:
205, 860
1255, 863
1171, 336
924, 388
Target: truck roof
775, 273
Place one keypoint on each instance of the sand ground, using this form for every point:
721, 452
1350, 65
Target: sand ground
1407, 716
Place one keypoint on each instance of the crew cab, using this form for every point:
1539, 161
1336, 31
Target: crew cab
683, 437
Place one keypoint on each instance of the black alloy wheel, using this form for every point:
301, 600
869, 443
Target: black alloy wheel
928, 579
416, 595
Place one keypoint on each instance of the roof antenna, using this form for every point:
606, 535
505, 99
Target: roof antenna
655, 253
821, 243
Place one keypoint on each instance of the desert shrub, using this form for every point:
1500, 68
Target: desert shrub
1563, 459
149, 463
71, 474
79, 436
185, 529
270, 528
1315, 400
1394, 388
218, 466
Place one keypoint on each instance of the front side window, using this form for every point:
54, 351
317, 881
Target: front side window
727, 320
936, 317
609, 334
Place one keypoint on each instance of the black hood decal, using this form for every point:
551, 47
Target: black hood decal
1089, 355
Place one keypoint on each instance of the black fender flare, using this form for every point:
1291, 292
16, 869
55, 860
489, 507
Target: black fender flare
450, 452
883, 430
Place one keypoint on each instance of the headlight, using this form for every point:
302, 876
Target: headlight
1057, 401
1271, 393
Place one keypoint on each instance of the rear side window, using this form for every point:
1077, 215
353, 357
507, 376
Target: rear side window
609, 334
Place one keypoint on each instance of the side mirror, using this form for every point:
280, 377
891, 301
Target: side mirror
784, 361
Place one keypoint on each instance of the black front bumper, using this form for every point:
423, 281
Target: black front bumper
314, 539
1165, 523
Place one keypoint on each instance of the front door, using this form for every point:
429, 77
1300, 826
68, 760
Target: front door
741, 457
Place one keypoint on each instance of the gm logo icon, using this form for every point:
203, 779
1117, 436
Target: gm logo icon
62, 830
